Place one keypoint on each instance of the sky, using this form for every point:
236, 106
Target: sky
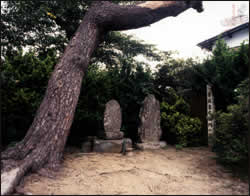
184, 32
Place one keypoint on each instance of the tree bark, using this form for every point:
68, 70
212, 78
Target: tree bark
43, 145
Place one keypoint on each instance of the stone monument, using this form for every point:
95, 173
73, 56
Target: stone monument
111, 138
210, 110
112, 121
150, 130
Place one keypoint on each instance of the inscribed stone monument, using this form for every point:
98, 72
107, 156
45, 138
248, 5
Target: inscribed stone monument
150, 129
112, 121
111, 138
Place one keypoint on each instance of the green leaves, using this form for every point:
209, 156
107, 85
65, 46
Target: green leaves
231, 144
24, 78
178, 127
46, 25
224, 71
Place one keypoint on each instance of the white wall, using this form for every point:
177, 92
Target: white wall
237, 38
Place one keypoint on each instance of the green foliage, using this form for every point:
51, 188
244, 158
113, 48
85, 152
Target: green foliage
24, 79
26, 23
133, 85
177, 73
118, 45
23, 82
231, 143
178, 127
224, 70
45, 25
174, 76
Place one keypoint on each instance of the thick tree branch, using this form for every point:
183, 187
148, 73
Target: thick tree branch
113, 17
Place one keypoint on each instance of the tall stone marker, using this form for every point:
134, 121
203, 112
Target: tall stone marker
210, 110
112, 121
150, 129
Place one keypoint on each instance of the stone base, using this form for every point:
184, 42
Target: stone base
151, 145
112, 146
114, 135
109, 135
163, 144
88, 144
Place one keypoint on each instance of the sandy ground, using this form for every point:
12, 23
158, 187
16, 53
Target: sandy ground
164, 171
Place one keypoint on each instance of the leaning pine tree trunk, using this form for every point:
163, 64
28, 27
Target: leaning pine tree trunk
42, 148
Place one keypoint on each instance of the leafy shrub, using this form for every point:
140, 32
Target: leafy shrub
230, 142
178, 127
224, 71
24, 78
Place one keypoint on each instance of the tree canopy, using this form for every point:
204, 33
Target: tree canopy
46, 25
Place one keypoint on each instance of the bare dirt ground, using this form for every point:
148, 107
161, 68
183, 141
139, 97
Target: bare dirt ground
164, 171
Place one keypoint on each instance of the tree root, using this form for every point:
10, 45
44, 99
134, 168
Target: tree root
7, 165
161, 174
46, 173
13, 171
118, 171
9, 180
21, 191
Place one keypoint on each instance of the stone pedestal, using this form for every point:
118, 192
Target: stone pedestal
111, 138
114, 135
112, 146
151, 145
110, 135
88, 144
86, 147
